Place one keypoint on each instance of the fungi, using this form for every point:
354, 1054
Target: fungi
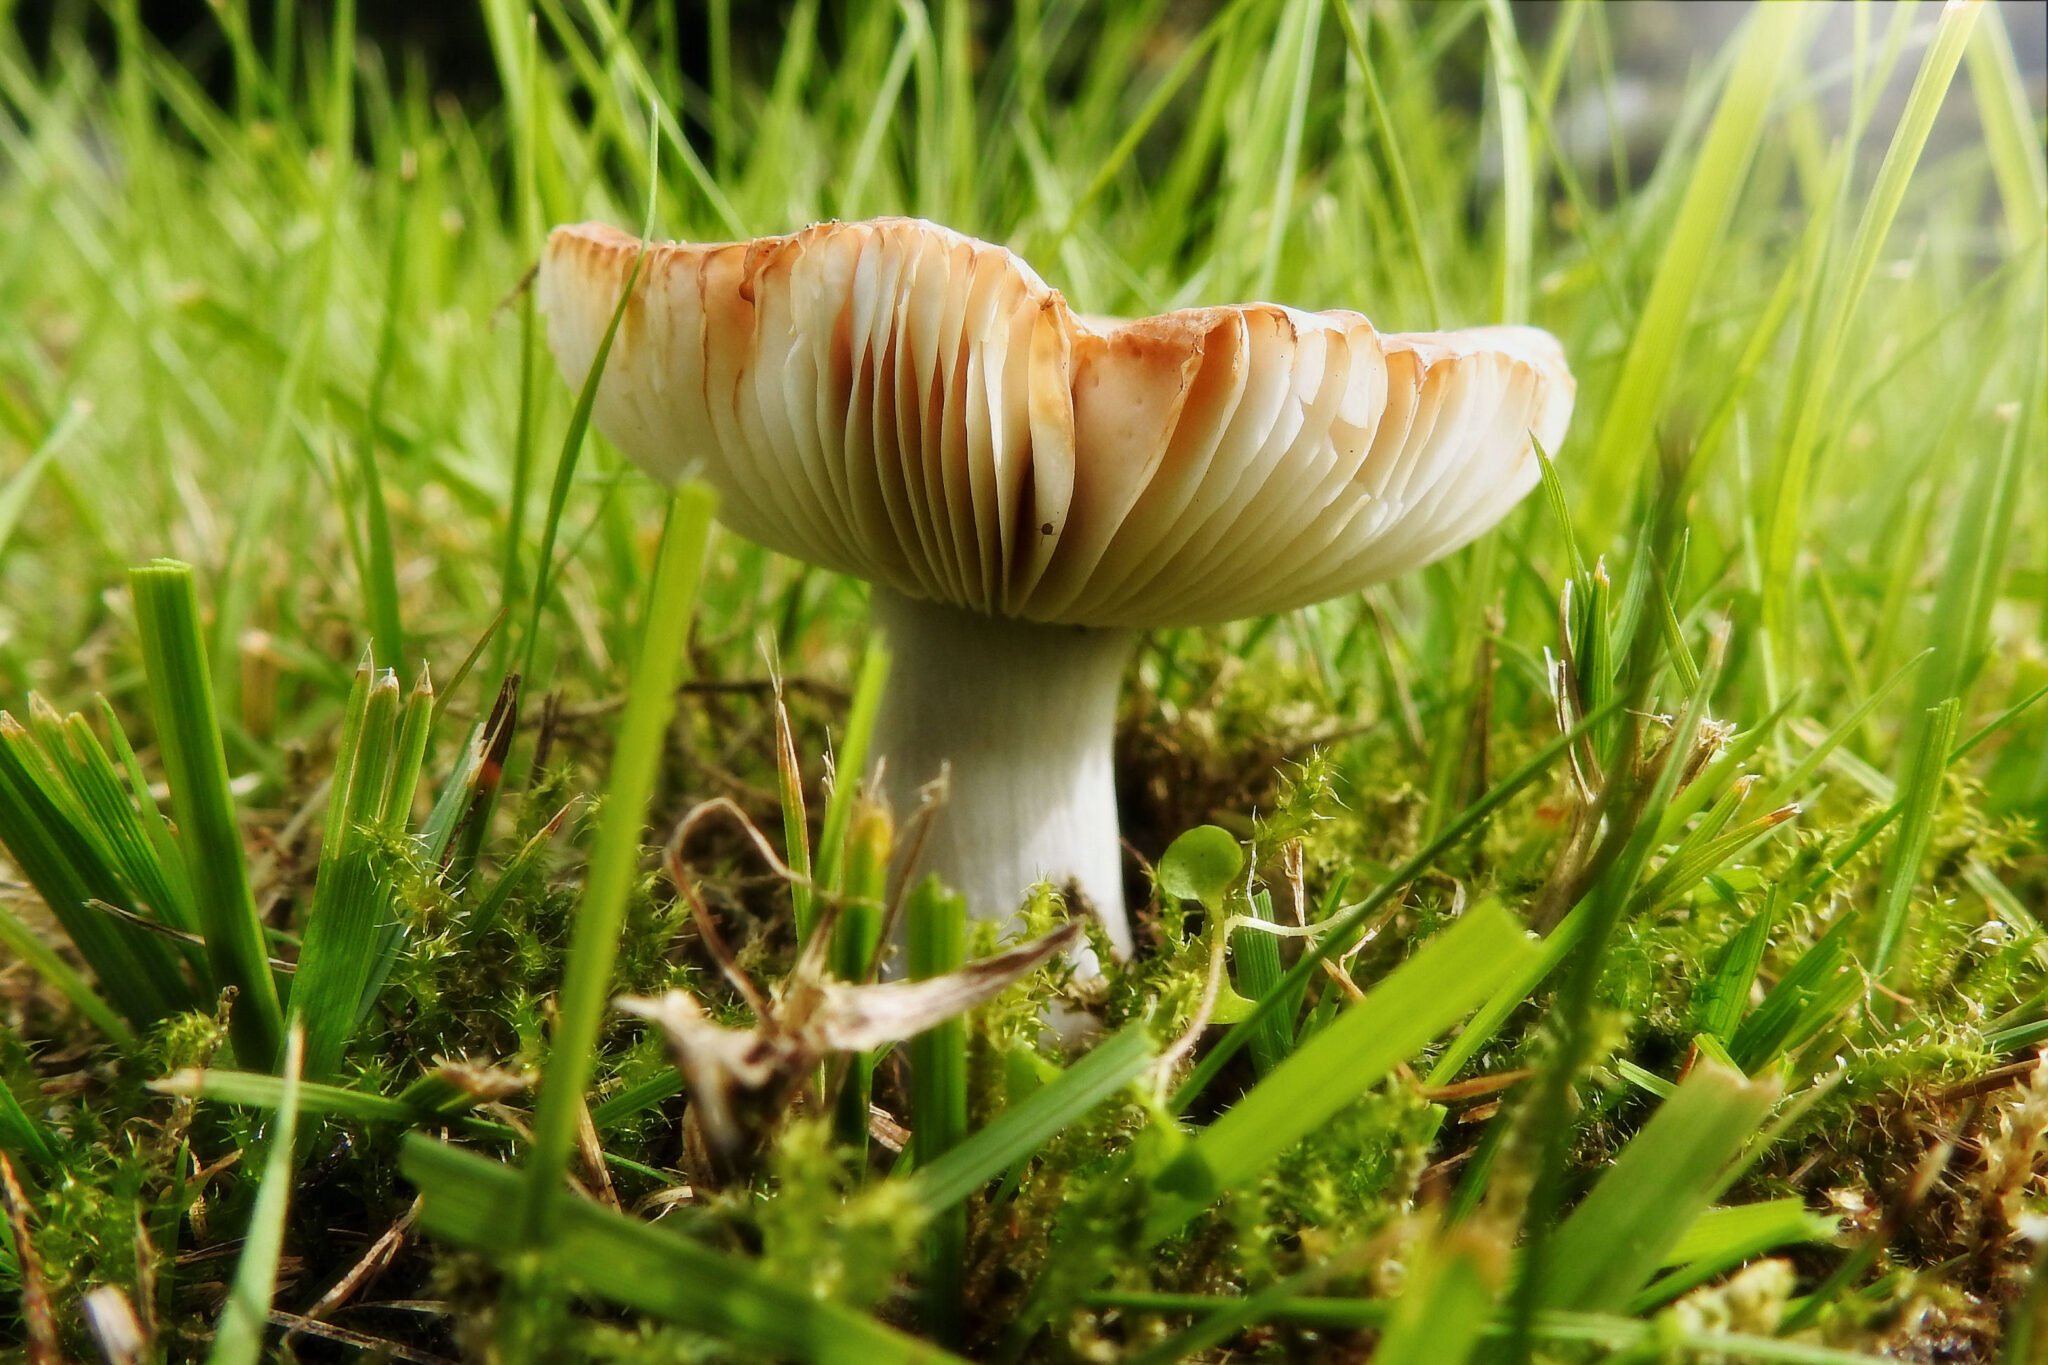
1027, 488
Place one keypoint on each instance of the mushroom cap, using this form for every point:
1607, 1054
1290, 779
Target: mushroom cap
897, 401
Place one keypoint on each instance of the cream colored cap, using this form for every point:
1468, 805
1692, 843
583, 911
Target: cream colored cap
896, 401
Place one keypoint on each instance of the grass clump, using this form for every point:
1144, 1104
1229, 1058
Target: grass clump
1658, 884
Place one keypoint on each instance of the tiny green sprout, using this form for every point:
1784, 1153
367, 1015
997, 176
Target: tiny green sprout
1201, 865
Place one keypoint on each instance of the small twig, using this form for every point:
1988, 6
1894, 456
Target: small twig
930, 797
592, 1150
179, 935
1478, 1085
44, 1345
362, 1341
700, 912
1997, 1079
366, 1268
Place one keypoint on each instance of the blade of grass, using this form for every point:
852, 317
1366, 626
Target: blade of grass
417, 729
380, 568
239, 1338
28, 947
579, 423
1028, 1125
23, 1135
134, 854
1656, 1190
1444, 1305
1772, 37
1518, 165
19, 488
935, 937
1802, 443
1722, 996
515, 875
1920, 787
1420, 999
848, 765
615, 860
1416, 240
474, 1202
1256, 957
2004, 110
1721, 1239
63, 859
1336, 931
350, 899
188, 735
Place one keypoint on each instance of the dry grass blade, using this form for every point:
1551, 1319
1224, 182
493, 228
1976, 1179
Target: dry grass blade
45, 1346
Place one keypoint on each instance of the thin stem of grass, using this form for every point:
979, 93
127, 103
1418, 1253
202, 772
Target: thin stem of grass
615, 860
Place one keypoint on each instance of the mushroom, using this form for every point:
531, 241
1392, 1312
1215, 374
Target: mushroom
1026, 488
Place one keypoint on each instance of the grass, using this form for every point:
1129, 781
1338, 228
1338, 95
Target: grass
1673, 857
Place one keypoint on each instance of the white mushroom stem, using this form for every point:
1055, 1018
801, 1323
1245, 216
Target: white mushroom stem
1023, 716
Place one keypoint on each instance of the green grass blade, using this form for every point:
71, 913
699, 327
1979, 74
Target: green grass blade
380, 564
516, 874
2004, 110
796, 828
430, 1101
848, 766
1721, 998
579, 423
1338, 930
64, 860
1256, 957
935, 939
239, 1338
23, 1135
1920, 790
1771, 39
188, 735
615, 861
1444, 1305
395, 809
1228, 1318
474, 1202
258, 1090
1026, 1126
27, 946
1722, 1239
1420, 999
135, 854
1414, 237
1518, 166
19, 488
1654, 1192
1808, 991
1720, 1230
351, 903
1801, 445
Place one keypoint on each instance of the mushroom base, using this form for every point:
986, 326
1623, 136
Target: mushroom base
1022, 716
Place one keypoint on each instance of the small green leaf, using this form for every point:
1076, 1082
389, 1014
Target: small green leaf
1201, 865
